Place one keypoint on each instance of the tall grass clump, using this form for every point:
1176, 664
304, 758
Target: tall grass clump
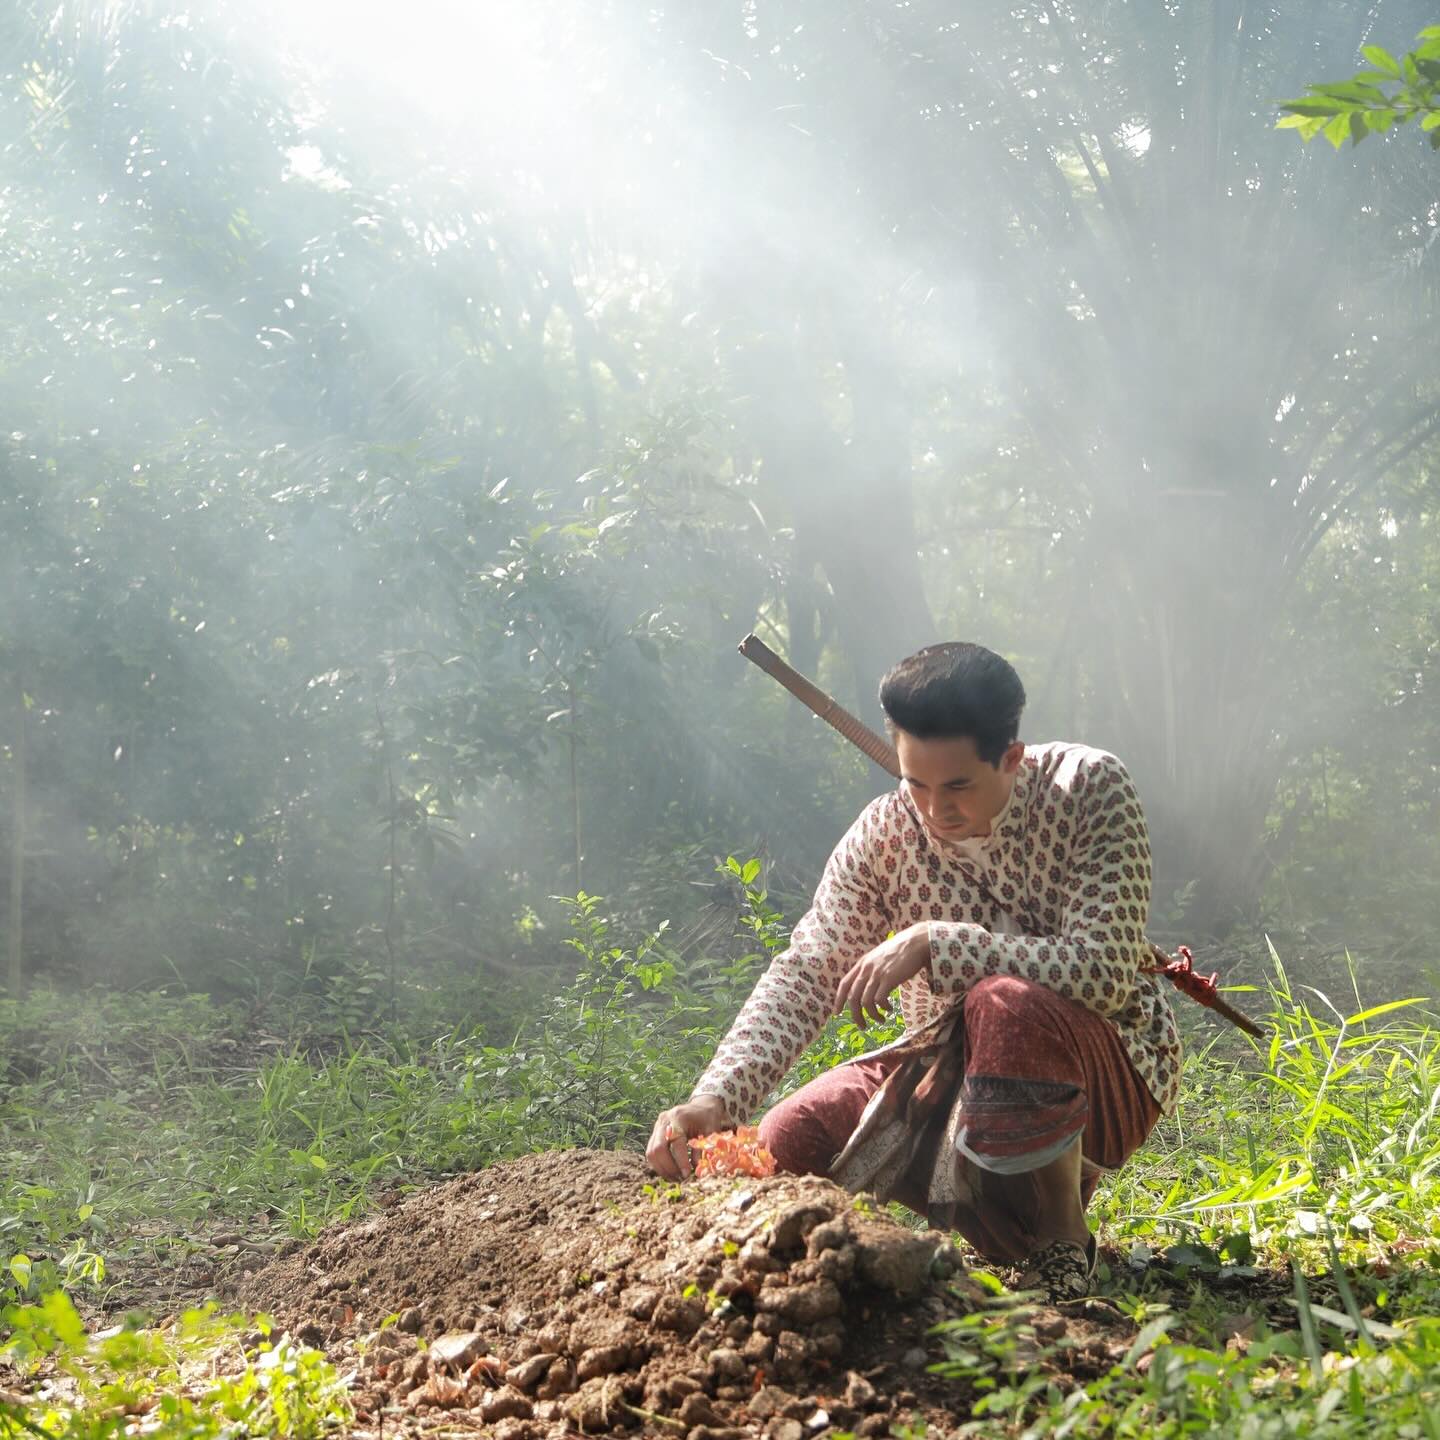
1329, 1126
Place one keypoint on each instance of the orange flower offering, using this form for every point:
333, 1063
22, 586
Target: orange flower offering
732, 1152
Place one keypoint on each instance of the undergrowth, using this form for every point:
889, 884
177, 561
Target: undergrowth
164, 1383
1281, 1383
1328, 1129
133, 1127
120, 1111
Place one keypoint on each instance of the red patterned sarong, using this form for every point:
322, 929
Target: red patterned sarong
954, 1120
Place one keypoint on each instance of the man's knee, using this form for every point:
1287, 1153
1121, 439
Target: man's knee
1005, 1005
999, 992
797, 1138
775, 1136
807, 1130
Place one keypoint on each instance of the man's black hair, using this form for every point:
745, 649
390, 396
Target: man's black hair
944, 692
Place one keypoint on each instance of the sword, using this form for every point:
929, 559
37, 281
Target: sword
1178, 969
855, 730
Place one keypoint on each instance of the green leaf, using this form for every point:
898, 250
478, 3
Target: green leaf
1350, 92
84, 1213
1344, 1322
1192, 1257
750, 873
1307, 1323
1238, 1247
21, 1267
1337, 132
1314, 107
1381, 59
64, 1321
1431, 121
1147, 1338
1284, 1186
1342, 1285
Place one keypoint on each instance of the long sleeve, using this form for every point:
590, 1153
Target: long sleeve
1101, 946
791, 1002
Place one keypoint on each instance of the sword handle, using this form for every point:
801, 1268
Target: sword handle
815, 699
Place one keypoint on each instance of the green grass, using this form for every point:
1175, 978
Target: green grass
1285, 1383
133, 1127
1331, 1129
104, 1141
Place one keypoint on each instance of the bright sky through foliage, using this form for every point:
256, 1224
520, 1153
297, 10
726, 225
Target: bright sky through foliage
511, 86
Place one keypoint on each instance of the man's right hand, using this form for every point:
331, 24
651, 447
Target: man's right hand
669, 1149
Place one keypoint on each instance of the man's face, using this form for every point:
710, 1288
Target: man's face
956, 792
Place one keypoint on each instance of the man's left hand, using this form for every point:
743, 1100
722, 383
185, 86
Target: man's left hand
869, 982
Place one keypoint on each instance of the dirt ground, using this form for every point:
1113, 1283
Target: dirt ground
571, 1292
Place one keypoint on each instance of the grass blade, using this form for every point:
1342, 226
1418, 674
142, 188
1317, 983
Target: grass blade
1342, 1284
1307, 1324
1384, 1009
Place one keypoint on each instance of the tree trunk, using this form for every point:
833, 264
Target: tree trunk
867, 547
1191, 697
15, 976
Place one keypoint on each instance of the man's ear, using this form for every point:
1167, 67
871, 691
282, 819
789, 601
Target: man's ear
1010, 760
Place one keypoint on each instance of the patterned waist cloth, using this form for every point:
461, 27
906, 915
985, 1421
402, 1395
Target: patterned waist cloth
971, 1106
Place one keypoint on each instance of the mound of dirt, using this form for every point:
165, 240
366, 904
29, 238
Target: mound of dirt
571, 1291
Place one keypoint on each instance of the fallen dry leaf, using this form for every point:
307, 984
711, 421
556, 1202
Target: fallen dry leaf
488, 1367
438, 1390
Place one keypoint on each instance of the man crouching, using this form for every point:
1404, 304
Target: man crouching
1003, 888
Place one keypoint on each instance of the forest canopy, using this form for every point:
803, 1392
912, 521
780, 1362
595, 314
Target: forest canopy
404, 422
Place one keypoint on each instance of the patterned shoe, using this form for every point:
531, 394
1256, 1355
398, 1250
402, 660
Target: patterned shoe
1062, 1269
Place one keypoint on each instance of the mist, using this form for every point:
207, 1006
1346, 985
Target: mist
408, 409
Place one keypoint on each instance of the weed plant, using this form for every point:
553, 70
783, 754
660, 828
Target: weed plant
1282, 1384
128, 1381
132, 1127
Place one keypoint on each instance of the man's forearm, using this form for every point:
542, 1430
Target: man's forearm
1098, 970
785, 1013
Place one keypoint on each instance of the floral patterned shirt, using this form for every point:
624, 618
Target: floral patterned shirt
1066, 864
